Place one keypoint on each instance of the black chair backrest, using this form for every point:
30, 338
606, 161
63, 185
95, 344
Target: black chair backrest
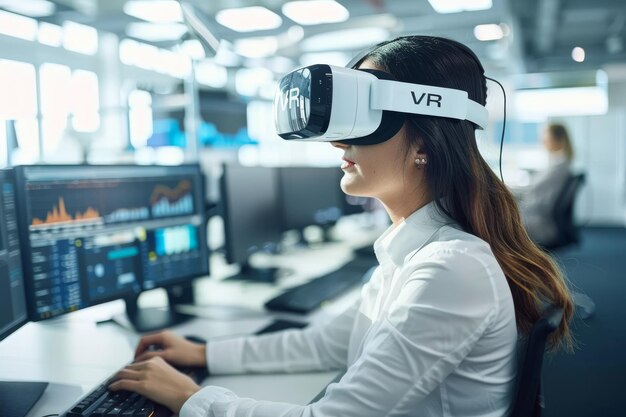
563, 211
528, 399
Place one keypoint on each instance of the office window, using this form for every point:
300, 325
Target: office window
140, 117
80, 38
85, 105
18, 26
50, 34
54, 90
18, 102
65, 93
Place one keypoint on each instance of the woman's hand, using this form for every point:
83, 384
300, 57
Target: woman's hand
158, 381
174, 349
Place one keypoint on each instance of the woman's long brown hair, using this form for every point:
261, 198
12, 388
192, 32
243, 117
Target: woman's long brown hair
462, 183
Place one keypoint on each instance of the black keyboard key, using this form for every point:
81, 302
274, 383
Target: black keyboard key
114, 412
144, 412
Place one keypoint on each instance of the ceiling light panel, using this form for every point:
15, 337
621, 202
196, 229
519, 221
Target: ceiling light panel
156, 11
248, 19
456, 6
153, 32
315, 12
488, 32
32, 8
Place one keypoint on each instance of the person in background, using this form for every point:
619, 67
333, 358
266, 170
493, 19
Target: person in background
435, 331
538, 199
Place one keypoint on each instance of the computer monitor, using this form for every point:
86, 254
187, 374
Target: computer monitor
16, 398
92, 234
310, 196
251, 210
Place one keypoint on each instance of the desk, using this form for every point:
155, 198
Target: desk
75, 354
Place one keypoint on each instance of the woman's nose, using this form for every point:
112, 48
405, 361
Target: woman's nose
339, 145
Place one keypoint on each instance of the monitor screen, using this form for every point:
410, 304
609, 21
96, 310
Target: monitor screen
91, 234
310, 196
13, 312
251, 210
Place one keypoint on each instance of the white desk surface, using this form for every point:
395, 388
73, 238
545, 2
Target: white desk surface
74, 354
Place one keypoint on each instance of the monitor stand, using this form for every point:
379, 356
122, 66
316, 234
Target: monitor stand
152, 319
17, 397
253, 274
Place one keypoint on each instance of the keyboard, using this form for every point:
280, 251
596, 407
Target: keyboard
310, 295
101, 402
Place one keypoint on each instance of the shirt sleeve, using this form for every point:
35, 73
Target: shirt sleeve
444, 307
315, 348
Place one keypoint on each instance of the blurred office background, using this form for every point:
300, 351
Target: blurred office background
122, 81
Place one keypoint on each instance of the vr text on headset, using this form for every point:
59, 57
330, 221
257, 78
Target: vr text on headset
430, 98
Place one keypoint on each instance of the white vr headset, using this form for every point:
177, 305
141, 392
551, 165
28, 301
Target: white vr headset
331, 103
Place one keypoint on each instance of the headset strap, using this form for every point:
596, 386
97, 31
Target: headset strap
428, 100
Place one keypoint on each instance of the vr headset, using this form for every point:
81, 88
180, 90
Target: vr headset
360, 107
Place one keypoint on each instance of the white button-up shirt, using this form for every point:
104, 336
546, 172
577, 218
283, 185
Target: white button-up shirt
433, 334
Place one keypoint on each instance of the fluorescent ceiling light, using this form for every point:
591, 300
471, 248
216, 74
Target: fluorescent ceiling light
155, 11
576, 101
17, 26
260, 47
50, 34
33, 8
456, 6
578, 54
315, 12
344, 39
248, 19
490, 32
153, 32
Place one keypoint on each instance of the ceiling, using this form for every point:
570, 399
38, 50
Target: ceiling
541, 33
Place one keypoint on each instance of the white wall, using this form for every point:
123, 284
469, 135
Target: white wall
600, 147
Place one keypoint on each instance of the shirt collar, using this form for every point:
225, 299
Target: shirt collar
411, 234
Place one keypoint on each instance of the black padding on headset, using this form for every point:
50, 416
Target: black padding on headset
390, 124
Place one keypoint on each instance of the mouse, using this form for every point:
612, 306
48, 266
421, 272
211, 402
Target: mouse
195, 339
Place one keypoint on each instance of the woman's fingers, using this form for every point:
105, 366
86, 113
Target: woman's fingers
149, 355
129, 374
146, 341
127, 385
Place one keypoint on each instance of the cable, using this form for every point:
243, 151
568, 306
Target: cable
52, 415
503, 124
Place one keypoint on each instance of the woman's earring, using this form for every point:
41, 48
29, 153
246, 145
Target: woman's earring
420, 162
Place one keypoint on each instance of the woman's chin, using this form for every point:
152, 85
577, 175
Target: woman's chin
352, 187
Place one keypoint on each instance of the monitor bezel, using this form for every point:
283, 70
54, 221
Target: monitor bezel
9, 176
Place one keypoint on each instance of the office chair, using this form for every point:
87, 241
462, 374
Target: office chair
563, 214
529, 401
569, 234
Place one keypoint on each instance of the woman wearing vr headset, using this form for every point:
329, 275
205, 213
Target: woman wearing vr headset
435, 330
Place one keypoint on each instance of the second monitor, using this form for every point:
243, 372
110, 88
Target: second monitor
310, 196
